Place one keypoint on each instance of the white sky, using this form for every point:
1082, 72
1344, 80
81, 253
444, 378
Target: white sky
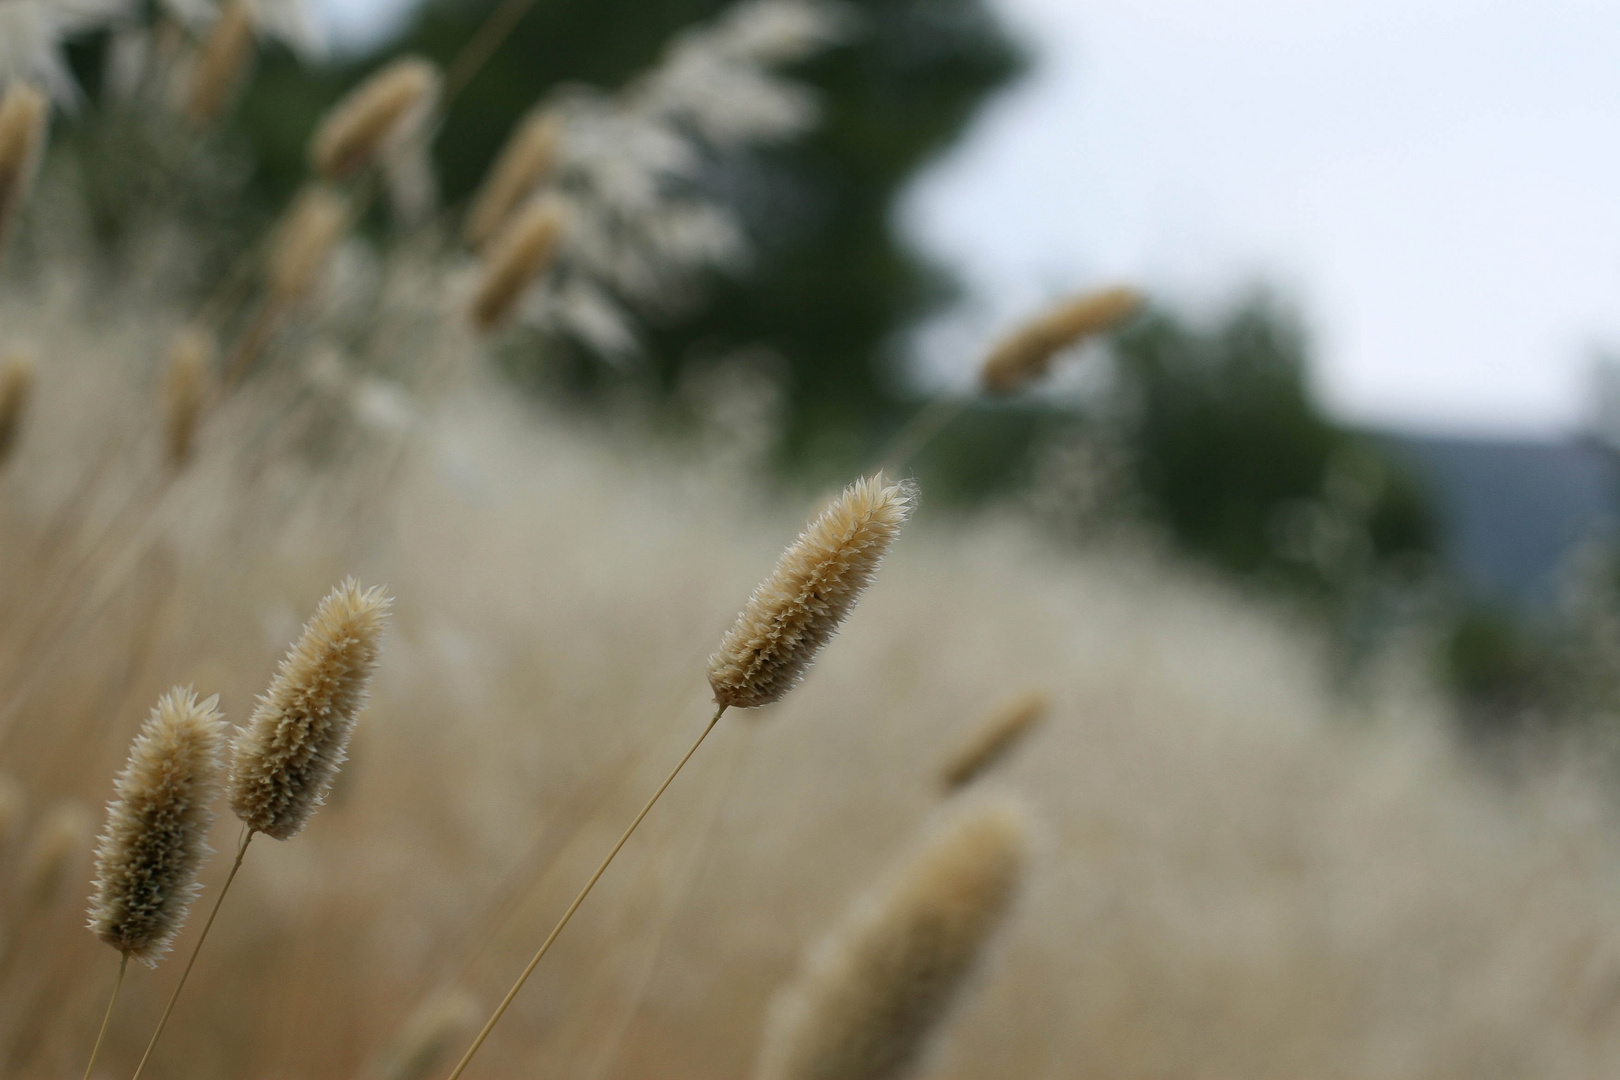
1436, 182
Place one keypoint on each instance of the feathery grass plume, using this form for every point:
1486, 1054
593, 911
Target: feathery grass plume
305, 239
993, 739
815, 585
58, 841
355, 130
286, 757
222, 63
24, 110
524, 162
156, 839
868, 997
16, 387
518, 254
185, 391
1027, 353
431, 1030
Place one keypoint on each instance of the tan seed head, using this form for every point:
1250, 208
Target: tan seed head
24, 110
16, 388
355, 130
185, 391
156, 839
524, 162
994, 739
222, 64
868, 998
303, 243
1027, 353
432, 1029
797, 609
285, 759
520, 253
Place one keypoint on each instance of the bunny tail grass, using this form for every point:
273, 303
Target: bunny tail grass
357, 128
993, 739
870, 995
545, 946
24, 110
1027, 353
222, 63
815, 585
156, 839
106, 1018
517, 255
523, 163
313, 225
185, 392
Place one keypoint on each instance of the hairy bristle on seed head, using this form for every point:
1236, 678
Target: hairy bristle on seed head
868, 998
521, 252
1027, 353
285, 759
817, 581
16, 387
994, 738
312, 227
357, 128
222, 63
156, 837
185, 391
24, 110
523, 163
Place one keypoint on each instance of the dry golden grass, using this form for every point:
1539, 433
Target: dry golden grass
354, 132
523, 164
24, 113
1026, 354
222, 65
518, 254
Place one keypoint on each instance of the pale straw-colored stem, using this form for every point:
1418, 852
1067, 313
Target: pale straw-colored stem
489, 37
241, 850
923, 427
545, 946
95, 1051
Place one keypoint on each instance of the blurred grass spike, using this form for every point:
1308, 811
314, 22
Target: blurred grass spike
311, 229
185, 392
16, 388
221, 65
356, 129
518, 254
994, 738
524, 163
24, 112
1028, 352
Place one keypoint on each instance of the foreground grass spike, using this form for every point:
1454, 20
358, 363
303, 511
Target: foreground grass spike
356, 129
994, 739
520, 253
16, 388
815, 585
285, 759
868, 998
24, 111
524, 162
185, 392
156, 837
222, 63
312, 228
1027, 354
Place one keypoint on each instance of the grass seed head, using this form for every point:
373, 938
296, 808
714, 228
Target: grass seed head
156, 837
303, 243
24, 111
356, 129
16, 388
520, 253
994, 739
869, 997
222, 64
1027, 353
797, 609
285, 759
524, 162
186, 391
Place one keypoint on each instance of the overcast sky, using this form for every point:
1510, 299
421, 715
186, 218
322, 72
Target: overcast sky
1435, 182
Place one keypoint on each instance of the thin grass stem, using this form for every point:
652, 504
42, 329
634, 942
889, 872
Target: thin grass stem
95, 1051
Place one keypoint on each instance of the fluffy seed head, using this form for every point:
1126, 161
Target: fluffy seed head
815, 585
58, 841
185, 391
524, 162
16, 387
286, 757
312, 227
156, 837
994, 739
867, 999
520, 253
24, 111
221, 64
1027, 353
356, 128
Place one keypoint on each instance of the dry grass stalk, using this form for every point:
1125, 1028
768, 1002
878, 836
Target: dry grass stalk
312, 228
798, 608
1027, 354
24, 111
524, 162
994, 739
222, 63
431, 1030
518, 255
156, 837
186, 391
58, 842
16, 387
868, 998
356, 129
292, 747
